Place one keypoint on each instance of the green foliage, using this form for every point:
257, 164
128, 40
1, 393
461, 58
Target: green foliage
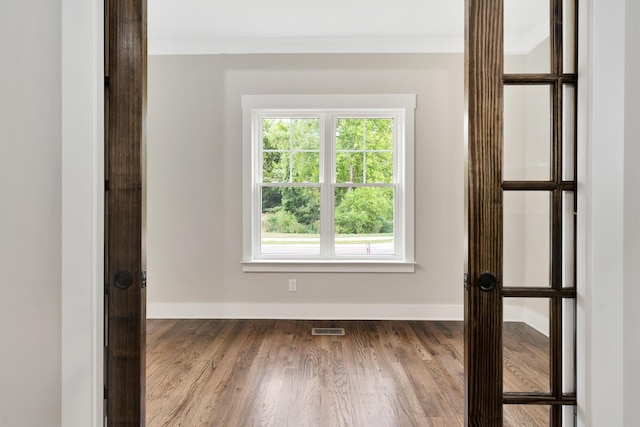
379, 134
304, 204
291, 150
271, 199
305, 134
387, 227
360, 139
275, 166
282, 222
364, 210
276, 134
291, 153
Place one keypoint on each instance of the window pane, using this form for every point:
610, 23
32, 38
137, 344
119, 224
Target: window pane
379, 167
527, 133
568, 240
569, 21
569, 416
526, 415
350, 134
290, 220
526, 36
349, 167
527, 362
275, 166
364, 219
568, 132
276, 134
379, 134
527, 238
569, 345
305, 134
306, 167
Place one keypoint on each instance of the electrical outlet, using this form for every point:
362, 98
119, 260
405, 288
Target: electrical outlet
292, 285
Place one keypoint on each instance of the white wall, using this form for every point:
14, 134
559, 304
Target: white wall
194, 186
631, 349
601, 199
82, 212
30, 213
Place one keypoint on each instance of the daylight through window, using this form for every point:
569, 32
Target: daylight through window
328, 184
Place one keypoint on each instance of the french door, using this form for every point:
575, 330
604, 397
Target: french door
520, 273
125, 276
521, 222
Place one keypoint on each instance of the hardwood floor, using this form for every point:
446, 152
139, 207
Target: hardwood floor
241, 373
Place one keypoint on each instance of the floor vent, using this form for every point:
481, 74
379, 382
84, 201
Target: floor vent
327, 331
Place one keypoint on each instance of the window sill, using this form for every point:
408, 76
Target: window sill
286, 266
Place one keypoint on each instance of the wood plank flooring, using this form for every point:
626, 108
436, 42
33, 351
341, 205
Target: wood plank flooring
241, 373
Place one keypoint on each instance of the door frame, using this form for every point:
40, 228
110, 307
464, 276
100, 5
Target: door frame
82, 212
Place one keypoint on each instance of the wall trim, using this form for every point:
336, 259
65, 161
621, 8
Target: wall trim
535, 319
290, 45
303, 311
82, 298
333, 311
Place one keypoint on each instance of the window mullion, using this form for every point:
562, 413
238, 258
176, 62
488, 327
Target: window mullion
364, 150
291, 121
327, 139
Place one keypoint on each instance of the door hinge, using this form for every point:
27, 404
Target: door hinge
466, 281
144, 279
106, 289
105, 395
106, 185
106, 81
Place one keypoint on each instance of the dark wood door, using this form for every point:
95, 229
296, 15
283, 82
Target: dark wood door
536, 197
125, 276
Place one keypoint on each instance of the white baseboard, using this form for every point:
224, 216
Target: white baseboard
531, 317
303, 311
333, 312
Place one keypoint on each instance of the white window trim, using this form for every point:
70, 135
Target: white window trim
404, 261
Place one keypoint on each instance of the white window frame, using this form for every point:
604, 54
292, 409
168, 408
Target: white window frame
328, 107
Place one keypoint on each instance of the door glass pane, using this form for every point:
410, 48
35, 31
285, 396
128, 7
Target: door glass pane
527, 238
527, 133
290, 220
569, 345
526, 345
364, 218
568, 240
568, 132
526, 415
569, 21
568, 416
526, 36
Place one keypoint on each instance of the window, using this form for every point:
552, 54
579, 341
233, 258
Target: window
328, 182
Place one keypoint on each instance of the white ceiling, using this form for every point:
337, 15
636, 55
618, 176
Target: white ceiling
300, 26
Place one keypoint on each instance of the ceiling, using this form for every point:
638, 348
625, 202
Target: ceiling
306, 26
